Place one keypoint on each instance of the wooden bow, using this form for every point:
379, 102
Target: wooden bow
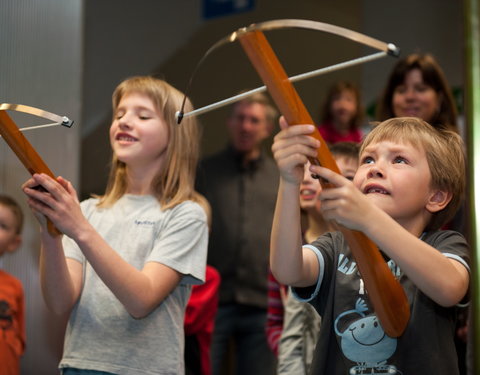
387, 295
22, 147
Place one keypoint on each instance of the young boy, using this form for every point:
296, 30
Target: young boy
410, 182
12, 323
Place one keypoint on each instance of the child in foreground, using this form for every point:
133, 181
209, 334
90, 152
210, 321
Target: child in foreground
12, 300
410, 181
125, 265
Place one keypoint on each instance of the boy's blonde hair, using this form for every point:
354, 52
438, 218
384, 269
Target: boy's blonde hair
13, 206
444, 150
175, 182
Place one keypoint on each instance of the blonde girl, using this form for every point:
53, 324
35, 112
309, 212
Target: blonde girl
124, 266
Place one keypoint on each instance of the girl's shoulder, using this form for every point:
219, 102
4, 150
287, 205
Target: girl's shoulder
89, 204
189, 208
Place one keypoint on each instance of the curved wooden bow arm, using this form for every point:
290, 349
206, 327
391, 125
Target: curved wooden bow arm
22, 147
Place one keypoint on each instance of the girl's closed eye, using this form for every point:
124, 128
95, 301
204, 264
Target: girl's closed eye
144, 115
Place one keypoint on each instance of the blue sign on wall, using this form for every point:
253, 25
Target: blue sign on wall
217, 8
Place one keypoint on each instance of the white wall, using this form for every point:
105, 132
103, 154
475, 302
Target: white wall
40, 66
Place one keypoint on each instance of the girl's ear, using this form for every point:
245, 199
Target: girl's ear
438, 200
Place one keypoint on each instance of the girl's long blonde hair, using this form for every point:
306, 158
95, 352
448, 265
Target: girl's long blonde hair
174, 183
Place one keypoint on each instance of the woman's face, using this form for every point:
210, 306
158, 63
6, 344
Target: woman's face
414, 98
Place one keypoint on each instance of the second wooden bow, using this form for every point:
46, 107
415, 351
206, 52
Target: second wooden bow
22, 147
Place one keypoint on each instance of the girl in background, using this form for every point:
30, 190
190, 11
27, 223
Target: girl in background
124, 267
342, 114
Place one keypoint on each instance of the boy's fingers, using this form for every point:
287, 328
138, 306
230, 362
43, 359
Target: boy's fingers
327, 174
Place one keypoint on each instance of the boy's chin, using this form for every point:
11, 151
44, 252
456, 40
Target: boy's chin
380, 200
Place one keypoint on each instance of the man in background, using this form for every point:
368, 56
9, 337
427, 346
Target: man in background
240, 183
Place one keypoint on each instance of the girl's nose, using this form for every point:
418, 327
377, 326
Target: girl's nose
124, 121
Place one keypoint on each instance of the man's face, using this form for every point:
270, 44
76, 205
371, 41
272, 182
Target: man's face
248, 127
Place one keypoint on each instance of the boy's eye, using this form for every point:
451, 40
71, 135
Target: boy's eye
400, 160
367, 160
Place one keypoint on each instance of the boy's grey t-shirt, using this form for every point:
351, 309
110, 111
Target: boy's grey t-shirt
352, 340
101, 335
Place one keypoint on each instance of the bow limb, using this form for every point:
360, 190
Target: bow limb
385, 48
386, 293
25, 153
61, 120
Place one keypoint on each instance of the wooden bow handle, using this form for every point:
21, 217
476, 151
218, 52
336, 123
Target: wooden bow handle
387, 295
25, 152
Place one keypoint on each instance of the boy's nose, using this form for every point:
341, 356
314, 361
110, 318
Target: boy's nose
375, 171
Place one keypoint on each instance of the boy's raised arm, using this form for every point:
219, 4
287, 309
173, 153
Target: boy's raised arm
290, 265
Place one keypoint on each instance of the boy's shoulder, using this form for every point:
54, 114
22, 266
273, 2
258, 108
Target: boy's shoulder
443, 236
450, 243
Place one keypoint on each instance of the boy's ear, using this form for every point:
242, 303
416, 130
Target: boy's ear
438, 200
14, 244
